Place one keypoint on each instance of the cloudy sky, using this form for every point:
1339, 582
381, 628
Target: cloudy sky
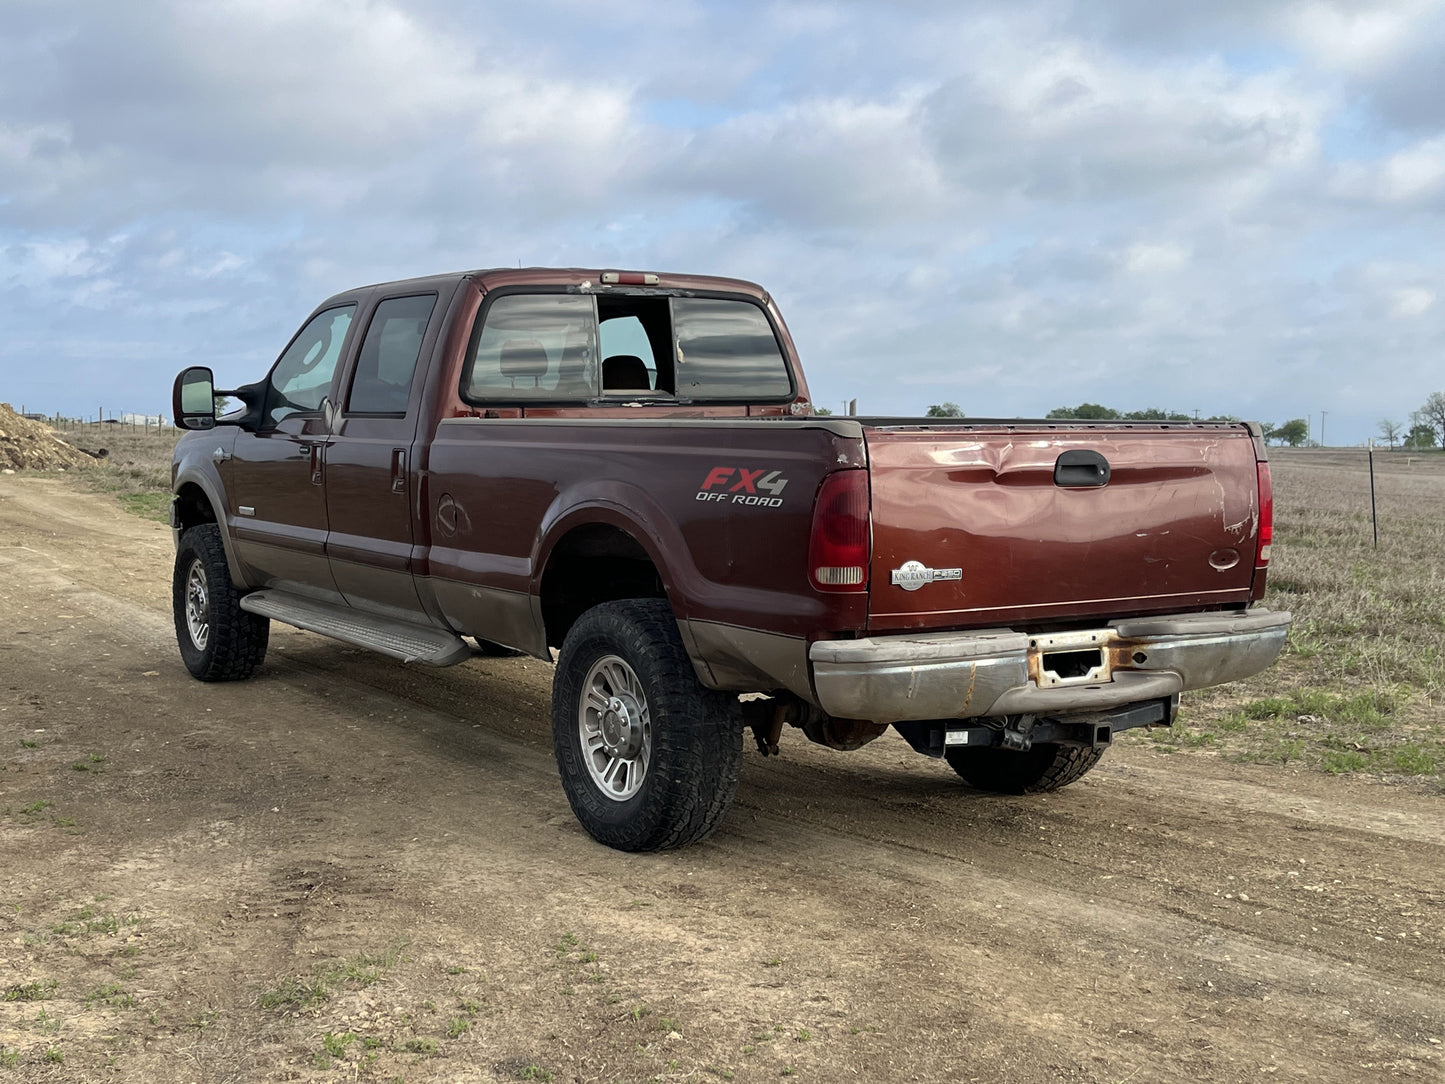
1233, 207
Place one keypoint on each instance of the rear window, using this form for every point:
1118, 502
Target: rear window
557, 347
726, 350
534, 346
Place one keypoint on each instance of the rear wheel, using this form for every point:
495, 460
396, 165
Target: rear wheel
1044, 767
649, 758
219, 641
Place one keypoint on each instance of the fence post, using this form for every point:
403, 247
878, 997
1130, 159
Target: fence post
1374, 518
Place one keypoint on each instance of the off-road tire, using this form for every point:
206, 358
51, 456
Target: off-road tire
235, 641
1044, 767
695, 753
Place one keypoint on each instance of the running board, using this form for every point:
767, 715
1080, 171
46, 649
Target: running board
399, 639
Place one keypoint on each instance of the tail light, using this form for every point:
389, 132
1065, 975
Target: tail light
1266, 516
840, 545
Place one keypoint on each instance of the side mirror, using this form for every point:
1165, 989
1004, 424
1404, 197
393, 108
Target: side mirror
193, 399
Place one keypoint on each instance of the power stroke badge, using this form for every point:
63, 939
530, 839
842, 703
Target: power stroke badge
912, 575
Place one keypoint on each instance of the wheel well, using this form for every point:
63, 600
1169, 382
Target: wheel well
193, 507
591, 565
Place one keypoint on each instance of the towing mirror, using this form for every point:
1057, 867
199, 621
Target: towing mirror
193, 399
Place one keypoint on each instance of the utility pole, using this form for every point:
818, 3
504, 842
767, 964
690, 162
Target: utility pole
1322, 427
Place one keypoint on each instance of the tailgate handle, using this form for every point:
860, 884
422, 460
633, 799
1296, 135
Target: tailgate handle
1080, 468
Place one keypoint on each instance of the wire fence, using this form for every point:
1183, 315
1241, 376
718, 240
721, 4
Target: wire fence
102, 421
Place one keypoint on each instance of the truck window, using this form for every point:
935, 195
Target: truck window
301, 377
387, 361
534, 346
727, 350
627, 361
636, 335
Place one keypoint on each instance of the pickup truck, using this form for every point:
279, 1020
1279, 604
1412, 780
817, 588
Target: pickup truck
622, 472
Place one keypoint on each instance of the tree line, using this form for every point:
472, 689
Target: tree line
1426, 428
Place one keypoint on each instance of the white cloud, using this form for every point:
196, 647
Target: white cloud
1358, 34
1154, 258
1412, 301
1154, 206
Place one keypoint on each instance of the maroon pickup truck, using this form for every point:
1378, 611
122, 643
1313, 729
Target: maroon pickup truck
621, 471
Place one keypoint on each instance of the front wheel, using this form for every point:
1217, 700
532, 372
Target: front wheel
649, 757
219, 641
1043, 767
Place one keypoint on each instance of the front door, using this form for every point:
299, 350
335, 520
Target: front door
278, 489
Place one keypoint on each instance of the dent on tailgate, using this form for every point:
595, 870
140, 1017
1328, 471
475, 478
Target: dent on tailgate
1174, 526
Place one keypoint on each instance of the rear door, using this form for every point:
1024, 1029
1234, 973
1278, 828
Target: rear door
994, 525
370, 488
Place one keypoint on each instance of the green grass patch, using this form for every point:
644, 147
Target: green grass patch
302, 994
147, 505
30, 991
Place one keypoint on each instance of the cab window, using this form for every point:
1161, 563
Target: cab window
534, 346
727, 350
301, 378
387, 360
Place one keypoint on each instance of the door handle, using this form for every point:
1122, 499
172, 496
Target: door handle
398, 470
1081, 468
316, 464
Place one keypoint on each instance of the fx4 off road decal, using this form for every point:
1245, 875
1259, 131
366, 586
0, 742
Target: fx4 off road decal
743, 485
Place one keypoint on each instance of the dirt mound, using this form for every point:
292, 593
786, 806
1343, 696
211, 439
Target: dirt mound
32, 445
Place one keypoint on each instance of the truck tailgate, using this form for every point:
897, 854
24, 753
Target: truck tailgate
995, 524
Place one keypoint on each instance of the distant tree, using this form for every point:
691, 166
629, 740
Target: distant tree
824, 411
1268, 429
1421, 436
1390, 431
944, 410
1084, 412
1432, 413
1155, 414
1294, 432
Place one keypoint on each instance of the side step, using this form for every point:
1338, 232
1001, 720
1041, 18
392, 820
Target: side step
399, 639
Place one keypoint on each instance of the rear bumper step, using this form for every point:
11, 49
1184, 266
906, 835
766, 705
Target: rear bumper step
961, 675
399, 639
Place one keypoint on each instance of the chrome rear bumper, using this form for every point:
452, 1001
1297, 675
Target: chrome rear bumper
962, 675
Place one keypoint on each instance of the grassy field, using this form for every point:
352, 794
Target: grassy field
1361, 685
136, 469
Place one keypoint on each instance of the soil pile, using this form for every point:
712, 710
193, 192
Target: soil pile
30, 445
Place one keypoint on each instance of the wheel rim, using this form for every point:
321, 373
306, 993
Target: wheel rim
615, 726
198, 606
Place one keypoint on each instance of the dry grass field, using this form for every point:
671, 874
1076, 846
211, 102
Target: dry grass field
1362, 683
137, 465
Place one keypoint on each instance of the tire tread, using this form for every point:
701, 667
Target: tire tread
696, 732
238, 639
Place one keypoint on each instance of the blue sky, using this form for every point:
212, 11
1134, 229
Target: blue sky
1013, 206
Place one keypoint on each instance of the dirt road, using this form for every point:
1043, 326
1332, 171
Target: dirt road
349, 869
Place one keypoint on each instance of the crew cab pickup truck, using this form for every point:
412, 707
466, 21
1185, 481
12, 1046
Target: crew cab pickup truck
622, 472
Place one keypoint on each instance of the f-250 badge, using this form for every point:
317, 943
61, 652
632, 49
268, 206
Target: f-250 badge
912, 575
741, 485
